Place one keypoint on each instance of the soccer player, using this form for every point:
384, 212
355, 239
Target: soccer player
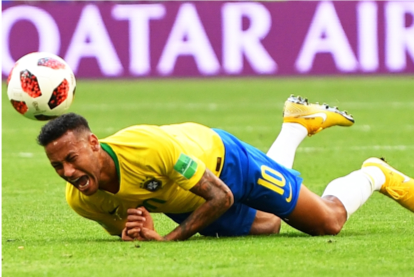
200, 176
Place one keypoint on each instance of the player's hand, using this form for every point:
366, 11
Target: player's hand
125, 236
147, 234
143, 234
139, 218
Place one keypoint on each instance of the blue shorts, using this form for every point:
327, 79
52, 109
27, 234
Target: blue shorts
257, 182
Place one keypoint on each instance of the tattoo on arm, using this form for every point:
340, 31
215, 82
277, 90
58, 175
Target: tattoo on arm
218, 198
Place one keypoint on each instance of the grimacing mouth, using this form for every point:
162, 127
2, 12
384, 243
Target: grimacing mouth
81, 182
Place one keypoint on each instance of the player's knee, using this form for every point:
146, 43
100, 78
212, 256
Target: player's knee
265, 224
334, 219
276, 225
273, 226
330, 226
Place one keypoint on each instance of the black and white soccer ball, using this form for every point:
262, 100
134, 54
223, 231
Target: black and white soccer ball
41, 86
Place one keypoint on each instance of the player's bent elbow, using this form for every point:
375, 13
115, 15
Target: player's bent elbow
228, 199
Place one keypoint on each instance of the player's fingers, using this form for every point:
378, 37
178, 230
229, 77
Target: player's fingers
134, 212
149, 234
132, 232
136, 218
125, 236
133, 224
144, 232
139, 237
143, 210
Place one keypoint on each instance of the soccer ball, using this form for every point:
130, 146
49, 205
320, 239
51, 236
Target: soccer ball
41, 86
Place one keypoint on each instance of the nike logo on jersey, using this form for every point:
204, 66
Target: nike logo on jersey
113, 211
321, 115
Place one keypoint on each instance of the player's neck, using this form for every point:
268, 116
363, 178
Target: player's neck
109, 180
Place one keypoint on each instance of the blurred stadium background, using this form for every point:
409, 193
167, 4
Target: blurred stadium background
127, 39
229, 65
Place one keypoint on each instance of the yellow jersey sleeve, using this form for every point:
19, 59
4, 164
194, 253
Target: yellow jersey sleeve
178, 164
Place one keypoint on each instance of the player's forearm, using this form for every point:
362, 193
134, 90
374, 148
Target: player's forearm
199, 219
219, 199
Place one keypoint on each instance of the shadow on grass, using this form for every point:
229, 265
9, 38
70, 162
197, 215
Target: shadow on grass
194, 239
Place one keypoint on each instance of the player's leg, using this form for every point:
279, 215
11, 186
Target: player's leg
326, 215
301, 119
265, 224
345, 195
317, 215
390, 182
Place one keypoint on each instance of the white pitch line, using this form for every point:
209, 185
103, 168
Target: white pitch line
25, 155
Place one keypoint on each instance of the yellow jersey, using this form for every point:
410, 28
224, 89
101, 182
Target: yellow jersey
156, 166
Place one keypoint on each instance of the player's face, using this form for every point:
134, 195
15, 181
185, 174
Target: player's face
75, 159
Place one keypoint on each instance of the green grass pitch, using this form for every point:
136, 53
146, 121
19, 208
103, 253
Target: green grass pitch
41, 236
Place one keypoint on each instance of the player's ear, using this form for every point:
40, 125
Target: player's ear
94, 142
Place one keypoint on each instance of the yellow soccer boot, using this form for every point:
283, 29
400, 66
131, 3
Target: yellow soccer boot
397, 186
314, 117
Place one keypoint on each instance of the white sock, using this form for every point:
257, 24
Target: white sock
376, 175
284, 147
353, 190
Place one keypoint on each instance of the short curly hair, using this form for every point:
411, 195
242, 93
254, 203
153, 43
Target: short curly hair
57, 127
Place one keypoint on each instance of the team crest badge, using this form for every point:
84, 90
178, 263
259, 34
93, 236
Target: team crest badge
152, 184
